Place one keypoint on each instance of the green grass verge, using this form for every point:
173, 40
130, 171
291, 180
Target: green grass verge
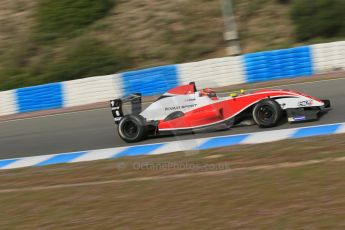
278, 195
60, 18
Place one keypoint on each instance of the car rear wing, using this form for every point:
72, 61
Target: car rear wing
117, 106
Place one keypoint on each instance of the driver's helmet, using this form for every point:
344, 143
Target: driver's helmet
208, 92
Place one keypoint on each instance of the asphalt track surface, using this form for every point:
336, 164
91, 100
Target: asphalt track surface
95, 129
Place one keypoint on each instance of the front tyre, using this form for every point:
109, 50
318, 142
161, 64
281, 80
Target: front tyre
267, 113
132, 128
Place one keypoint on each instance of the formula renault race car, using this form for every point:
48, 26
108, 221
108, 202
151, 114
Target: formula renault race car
184, 109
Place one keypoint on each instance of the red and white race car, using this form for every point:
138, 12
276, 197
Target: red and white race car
185, 109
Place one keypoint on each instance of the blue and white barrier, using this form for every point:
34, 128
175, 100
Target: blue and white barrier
92, 90
328, 56
175, 146
151, 81
218, 72
278, 64
41, 97
8, 103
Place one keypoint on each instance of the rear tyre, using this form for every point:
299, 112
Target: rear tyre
267, 113
132, 128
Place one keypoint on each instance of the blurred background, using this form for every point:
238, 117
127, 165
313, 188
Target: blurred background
44, 41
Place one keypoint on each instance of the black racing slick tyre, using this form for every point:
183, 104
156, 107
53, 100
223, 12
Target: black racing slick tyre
267, 113
132, 128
